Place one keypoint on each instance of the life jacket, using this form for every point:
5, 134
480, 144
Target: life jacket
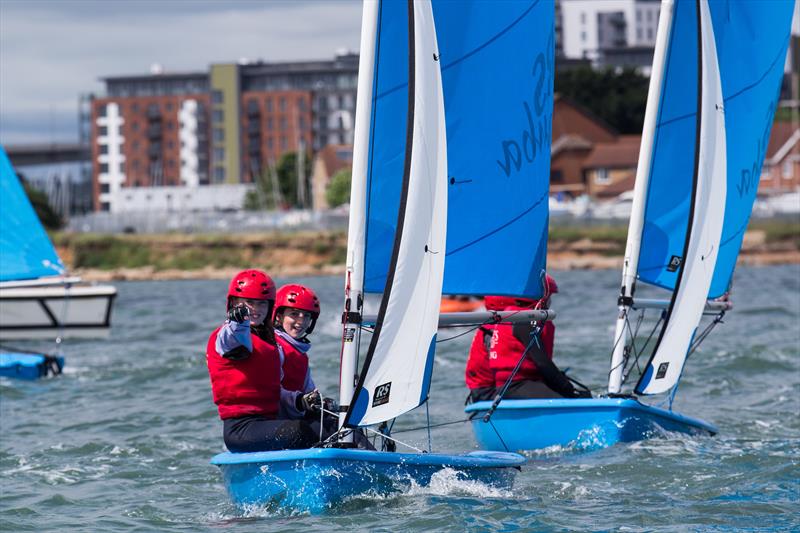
505, 351
246, 387
295, 366
478, 375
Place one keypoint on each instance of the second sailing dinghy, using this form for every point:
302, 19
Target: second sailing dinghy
716, 77
396, 373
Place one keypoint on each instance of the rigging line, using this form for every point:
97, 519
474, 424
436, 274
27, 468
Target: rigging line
462, 334
394, 440
498, 436
428, 416
406, 430
705, 333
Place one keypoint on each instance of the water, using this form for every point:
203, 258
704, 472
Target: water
121, 441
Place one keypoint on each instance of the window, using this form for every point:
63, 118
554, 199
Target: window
270, 143
639, 34
219, 134
102, 110
601, 176
135, 126
583, 18
169, 106
135, 108
170, 126
217, 115
102, 130
650, 33
786, 170
103, 149
270, 124
284, 143
301, 104
556, 176
284, 124
103, 168
303, 125
282, 104
638, 15
583, 36
649, 16
219, 173
216, 97
104, 206
219, 154
268, 103
104, 188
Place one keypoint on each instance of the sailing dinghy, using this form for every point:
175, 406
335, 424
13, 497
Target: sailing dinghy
37, 299
716, 76
430, 154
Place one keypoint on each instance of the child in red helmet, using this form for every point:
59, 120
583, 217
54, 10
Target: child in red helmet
537, 376
244, 365
296, 311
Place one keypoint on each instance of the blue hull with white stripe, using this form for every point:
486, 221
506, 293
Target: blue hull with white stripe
579, 424
313, 480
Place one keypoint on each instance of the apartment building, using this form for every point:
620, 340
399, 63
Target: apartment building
222, 126
610, 32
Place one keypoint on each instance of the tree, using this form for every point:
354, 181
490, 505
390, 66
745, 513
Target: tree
41, 205
263, 197
338, 191
618, 97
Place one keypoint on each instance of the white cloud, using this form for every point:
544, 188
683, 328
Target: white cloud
50, 52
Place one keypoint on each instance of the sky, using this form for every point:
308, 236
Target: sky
51, 51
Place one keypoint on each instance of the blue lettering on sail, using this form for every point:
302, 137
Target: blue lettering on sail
750, 176
534, 138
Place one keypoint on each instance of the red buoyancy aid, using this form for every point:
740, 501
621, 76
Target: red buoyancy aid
478, 375
247, 387
506, 350
295, 366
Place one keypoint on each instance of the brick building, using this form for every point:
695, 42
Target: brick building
223, 126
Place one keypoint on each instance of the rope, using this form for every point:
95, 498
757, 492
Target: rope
499, 396
498, 435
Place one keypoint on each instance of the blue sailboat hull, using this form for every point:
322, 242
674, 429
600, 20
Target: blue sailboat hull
316, 479
29, 366
580, 424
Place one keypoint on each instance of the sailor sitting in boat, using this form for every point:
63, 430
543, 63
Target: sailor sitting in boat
537, 375
244, 363
478, 376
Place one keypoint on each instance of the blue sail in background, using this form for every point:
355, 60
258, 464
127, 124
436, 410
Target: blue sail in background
497, 75
25, 249
751, 39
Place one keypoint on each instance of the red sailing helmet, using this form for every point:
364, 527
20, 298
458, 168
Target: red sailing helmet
252, 284
550, 285
297, 297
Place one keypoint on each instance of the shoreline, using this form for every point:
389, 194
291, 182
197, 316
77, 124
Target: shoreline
105, 258
555, 262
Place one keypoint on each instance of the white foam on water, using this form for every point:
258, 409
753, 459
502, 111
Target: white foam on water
450, 482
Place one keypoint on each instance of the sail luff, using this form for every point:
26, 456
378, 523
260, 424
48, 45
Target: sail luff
354, 276
636, 223
704, 232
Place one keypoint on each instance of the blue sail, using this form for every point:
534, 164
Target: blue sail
751, 39
497, 76
25, 249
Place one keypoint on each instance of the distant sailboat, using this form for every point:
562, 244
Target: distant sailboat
716, 77
37, 298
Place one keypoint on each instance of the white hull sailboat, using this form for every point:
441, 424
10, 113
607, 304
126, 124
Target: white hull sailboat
37, 299
716, 76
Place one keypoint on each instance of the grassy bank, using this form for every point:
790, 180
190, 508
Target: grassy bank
310, 252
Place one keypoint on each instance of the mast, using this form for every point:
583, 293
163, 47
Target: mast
631, 262
354, 268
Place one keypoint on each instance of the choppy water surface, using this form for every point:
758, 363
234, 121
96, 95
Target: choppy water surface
122, 440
